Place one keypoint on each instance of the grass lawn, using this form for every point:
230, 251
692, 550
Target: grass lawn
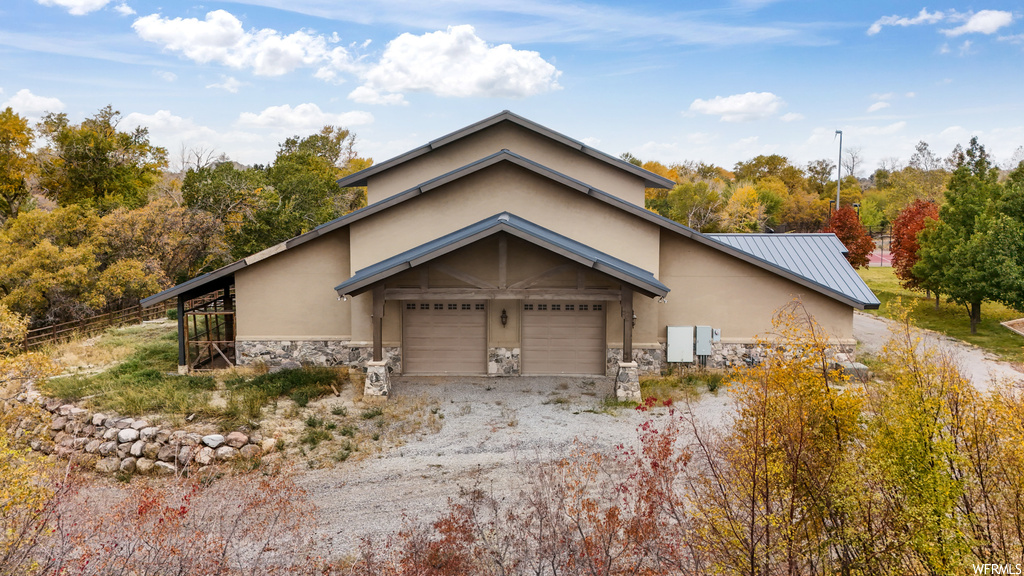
950, 319
141, 380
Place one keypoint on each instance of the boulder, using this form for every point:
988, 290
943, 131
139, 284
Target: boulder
167, 454
193, 439
110, 433
127, 435
162, 436
136, 449
250, 451
98, 419
236, 439
128, 465
108, 449
225, 453
213, 440
108, 465
184, 455
144, 465
93, 446
150, 450
124, 423
204, 456
139, 424
149, 433
163, 468
58, 423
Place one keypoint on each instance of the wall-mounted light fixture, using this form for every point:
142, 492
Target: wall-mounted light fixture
504, 318
634, 320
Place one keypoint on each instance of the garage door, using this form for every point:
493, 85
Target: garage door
563, 338
444, 338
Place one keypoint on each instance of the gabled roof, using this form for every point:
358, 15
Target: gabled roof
516, 226
850, 290
816, 257
651, 180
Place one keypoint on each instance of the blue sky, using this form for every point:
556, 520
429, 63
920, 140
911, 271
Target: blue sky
670, 81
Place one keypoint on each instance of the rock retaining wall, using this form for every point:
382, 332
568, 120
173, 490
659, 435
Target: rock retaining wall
109, 443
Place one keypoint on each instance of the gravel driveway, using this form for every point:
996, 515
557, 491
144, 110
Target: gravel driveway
496, 428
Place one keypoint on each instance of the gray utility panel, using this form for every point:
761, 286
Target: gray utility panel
704, 334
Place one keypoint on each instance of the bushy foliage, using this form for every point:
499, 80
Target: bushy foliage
845, 224
905, 245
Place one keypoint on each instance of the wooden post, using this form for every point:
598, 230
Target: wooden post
229, 320
502, 262
378, 323
626, 302
181, 331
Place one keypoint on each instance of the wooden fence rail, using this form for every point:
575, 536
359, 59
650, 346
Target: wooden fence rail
88, 326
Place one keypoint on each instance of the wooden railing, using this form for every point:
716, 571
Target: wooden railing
87, 326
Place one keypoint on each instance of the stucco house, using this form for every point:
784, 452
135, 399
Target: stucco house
508, 248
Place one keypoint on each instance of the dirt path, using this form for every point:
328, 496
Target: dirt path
980, 366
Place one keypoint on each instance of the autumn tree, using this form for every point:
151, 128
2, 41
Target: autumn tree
904, 244
845, 224
16, 163
696, 204
744, 211
819, 173
96, 164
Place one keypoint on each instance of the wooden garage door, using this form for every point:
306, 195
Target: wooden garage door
563, 338
444, 338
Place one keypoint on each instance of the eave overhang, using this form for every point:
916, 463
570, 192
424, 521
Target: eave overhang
641, 280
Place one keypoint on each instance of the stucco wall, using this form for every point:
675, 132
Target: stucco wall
291, 296
715, 289
505, 187
507, 136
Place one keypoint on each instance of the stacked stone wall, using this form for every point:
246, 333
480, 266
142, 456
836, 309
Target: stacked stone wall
109, 443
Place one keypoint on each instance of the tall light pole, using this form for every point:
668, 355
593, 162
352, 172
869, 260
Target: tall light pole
839, 168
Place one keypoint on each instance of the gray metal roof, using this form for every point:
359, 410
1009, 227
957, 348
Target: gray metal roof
816, 257
651, 180
851, 291
512, 224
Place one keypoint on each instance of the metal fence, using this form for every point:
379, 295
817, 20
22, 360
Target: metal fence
87, 326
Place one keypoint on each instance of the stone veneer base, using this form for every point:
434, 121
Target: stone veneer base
294, 353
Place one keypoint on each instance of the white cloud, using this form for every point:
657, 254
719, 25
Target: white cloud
791, 117
367, 95
26, 103
965, 48
591, 141
165, 75
1013, 39
307, 116
878, 106
923, 17
739, 107
456, 62
983, 22
911, 94
124, 9
76, 7
221, 38
229, 84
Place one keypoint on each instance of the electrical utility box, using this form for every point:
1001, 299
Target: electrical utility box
704, 334
680, 343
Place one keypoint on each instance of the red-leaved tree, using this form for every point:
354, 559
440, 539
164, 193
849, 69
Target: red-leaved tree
905, 246
845, 224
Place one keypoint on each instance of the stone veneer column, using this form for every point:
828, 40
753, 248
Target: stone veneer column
378, 379
627, 383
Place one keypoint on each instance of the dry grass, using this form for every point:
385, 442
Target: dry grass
351, 427
103, 351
